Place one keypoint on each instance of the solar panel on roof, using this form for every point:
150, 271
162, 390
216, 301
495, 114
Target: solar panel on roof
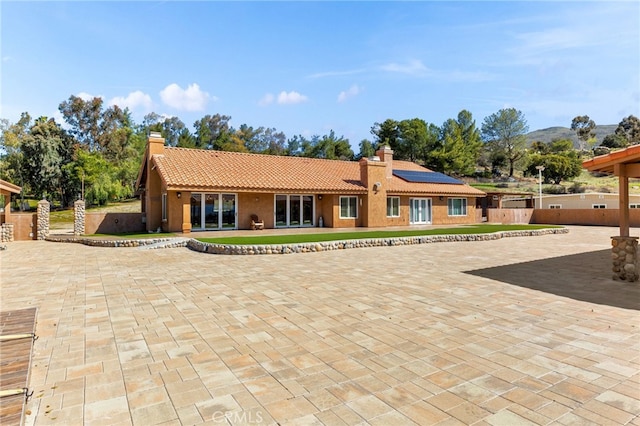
425, 177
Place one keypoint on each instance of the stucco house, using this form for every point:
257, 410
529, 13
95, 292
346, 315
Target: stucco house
184, 190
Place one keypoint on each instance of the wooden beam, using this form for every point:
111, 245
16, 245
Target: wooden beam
623, 202
628, 170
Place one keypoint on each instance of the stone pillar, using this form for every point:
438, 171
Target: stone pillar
43, 219
7, 233
624, 253
78, 218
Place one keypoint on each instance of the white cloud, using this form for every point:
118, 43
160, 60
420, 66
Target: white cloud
413, 67
353, 91
267, 99
292, 97
133, 101
189, 99
86, 96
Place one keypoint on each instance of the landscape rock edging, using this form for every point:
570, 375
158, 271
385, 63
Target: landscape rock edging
233, 249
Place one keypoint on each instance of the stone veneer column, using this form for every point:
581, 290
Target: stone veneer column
7, 233
43, 219
78, 218
624, 252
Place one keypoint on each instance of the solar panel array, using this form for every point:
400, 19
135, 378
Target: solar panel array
425, 177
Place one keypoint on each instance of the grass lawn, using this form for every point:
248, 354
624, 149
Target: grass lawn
362, 235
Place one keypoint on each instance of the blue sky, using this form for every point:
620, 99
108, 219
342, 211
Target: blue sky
310, 67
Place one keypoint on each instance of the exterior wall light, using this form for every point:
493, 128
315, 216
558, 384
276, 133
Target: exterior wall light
179, 194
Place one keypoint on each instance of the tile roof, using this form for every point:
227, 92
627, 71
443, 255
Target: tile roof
207, 170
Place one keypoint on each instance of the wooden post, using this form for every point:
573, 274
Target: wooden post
623, 190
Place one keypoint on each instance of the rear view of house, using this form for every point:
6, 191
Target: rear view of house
184, 190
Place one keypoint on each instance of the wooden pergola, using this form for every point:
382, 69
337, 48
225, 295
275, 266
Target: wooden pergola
625, 164
7, 189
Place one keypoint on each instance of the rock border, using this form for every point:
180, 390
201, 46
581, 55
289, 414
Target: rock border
234, 249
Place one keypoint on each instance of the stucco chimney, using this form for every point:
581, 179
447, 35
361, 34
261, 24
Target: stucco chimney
155, 144
386, 156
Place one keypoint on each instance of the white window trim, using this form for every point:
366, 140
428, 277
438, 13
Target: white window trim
634, 206
340, 206
392, 198
555, 206
598, 206
464, 207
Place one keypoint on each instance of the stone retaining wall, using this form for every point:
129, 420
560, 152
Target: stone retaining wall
117, 243
229, 249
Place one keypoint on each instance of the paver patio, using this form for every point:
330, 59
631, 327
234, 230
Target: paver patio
527, 330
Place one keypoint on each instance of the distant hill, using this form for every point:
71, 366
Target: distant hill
553, 133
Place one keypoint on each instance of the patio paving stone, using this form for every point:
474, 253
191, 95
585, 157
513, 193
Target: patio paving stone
526, 330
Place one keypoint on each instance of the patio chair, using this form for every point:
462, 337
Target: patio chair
256, 223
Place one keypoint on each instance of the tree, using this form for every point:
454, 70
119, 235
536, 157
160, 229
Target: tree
460, 145
386, 133
366, 149
584, 128
171, 128
11, 139
560, 161
329, 147
629, 129
91, 126
614, 141
504, 133
212, 131
45, 152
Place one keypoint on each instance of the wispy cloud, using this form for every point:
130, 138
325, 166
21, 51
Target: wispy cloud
87, 96
190, 99
339, 73
267, 99
353, 91
413, 67
133, 101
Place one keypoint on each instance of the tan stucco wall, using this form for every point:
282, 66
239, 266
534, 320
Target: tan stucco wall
260, 204
112, 223
441, 212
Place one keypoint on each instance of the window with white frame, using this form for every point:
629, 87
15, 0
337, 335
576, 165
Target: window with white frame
348, 207
555, 206
599, 206
393, 206
164, 207
634, 206
457, 206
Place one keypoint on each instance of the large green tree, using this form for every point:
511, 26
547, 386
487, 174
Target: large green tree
46, 150
629, 129
386, 133
212, 131
504, 134
584, 128
458, 147
559, 159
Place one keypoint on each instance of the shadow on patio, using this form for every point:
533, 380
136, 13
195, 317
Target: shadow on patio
584, 276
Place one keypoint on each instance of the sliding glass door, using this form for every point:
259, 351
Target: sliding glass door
292, 211
213, 211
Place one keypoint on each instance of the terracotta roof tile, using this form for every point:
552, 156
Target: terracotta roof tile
195, 169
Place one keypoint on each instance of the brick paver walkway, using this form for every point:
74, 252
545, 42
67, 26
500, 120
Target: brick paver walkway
528, 330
